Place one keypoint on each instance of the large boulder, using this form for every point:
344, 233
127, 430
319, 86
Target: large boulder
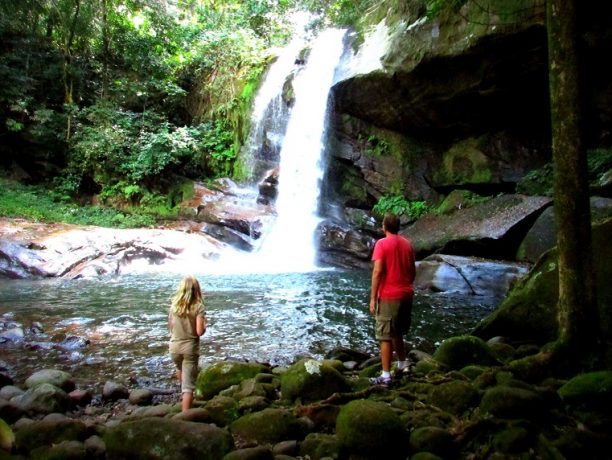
342, 246
542, 235
156, 438
529, 313
486, 229
222, 375
461, 351
467, 275
311, 380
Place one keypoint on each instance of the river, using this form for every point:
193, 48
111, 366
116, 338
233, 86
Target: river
270, 318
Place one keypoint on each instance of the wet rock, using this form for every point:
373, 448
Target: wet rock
268, 187
195, 414
43, 399
222, 375
15, 334
365, 428
467, 275
287, 448
10, 411
269, 426
72, 342
114, 391
311, 380
80, 397
148, 438
54, 377
141, 397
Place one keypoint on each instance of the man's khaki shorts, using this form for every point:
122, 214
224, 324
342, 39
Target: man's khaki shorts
393, 318
188, 365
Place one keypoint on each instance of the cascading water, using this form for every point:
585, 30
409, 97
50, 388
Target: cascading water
289, 247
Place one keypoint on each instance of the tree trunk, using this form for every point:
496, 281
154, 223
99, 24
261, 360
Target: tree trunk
578, 318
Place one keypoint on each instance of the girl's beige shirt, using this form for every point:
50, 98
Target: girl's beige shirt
184, 339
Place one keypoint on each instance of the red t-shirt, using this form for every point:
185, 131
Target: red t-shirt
397, 256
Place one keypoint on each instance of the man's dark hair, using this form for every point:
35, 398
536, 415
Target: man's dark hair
391, 223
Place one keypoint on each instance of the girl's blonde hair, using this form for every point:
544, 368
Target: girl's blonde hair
188, 297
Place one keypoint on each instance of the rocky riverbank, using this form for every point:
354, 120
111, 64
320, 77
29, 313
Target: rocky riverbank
471, 399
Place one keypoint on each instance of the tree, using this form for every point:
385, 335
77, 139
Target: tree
578, 316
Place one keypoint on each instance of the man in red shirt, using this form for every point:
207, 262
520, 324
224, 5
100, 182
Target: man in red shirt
391, 295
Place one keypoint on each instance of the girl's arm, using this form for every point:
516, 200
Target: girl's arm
200, 325
170, 322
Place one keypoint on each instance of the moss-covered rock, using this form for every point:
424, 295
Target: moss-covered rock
44, 433
157, 438
473, 371
434, 440
311, 380
589, 392
269, 426
43, 399
320, 445
458, 352
455, 396
222, 375
425, 417
54, 377
222, 410
504, 401
425, 366
371, 429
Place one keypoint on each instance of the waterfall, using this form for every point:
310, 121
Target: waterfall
290, 246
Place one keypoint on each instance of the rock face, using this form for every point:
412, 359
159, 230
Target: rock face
427, 106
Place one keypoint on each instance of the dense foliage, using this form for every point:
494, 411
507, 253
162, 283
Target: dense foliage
123, 99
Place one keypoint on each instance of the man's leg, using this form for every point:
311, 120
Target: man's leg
386, 354
398, 346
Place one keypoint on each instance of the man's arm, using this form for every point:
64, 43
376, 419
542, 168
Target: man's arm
377, 272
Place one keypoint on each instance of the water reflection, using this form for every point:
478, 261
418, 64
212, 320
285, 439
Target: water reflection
269, 317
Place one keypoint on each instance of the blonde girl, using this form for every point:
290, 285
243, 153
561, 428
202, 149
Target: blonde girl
187, 322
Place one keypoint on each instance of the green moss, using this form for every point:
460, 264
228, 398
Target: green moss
365, 427
464, 163
311, 380
589, 391
458, 352
268, 426
222, 375
455, 396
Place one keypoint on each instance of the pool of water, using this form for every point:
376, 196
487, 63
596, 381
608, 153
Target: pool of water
270, 318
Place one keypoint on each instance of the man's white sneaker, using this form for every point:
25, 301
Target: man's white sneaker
380, 380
